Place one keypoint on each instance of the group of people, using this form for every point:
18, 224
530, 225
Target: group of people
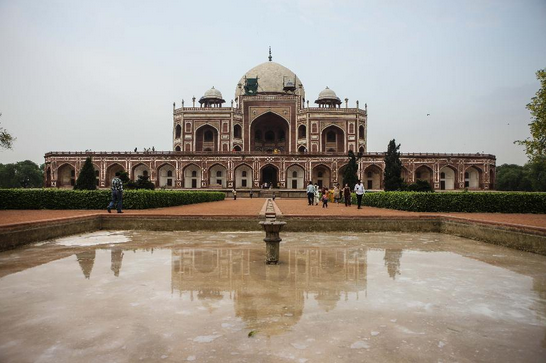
336, 194
314, 194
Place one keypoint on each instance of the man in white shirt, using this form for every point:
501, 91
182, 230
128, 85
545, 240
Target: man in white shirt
359, 190
310, 193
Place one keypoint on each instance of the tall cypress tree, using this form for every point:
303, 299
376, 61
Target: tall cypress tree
393, 168
349, 175
86, 179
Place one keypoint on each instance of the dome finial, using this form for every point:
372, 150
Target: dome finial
270, 57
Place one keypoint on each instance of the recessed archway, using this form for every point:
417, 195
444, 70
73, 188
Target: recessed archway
447, 178
269, 132
206, 138
166, 176
192, 177
373, 177
295, 177
243, 176
269, 175
424, 173
141, 170
66, 176
321, 176
333, 139
472, 178
111, 173
217, 176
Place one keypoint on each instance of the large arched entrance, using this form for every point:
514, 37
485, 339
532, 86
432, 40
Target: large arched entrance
206, 139
269, 133
269, 175
333, 139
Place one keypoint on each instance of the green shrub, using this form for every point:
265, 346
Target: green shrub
458, 202
99, 199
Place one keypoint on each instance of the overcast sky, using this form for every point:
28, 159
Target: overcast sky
102, 75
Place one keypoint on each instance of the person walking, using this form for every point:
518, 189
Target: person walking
325, 197
347, 195
234, 191
310, 193
117, 194
336, 193
359, 190
251, 193
317, 194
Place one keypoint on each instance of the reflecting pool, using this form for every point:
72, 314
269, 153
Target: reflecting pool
127, 296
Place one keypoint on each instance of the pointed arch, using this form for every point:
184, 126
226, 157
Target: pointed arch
448, 177
192, 176
166, 175
66, 176
321, 175
244, 176
111, 171
217, 176
373, 177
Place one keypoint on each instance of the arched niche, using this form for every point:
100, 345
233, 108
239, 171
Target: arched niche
192, 177
206, 139
295, 177
321, 176
217, 176
373, 177
333, 139
166, 176
243, 176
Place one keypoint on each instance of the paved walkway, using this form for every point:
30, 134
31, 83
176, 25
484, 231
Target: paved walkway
245, 207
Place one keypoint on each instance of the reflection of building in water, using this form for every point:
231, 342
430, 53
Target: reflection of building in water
267, 297
86, 259
117, 257
392, 261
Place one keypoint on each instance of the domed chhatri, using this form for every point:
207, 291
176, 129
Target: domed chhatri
271, 79
328, 98
212, 98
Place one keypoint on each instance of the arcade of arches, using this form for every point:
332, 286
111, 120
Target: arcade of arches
257, 172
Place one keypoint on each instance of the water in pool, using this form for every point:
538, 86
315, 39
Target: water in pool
148, 296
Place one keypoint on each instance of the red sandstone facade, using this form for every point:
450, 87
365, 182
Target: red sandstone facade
269, 135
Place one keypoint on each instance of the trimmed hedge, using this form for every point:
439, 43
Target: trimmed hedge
482, 202
99, 199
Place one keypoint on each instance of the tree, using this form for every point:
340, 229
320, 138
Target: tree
351, 170
535, 147
512, 177
393, 168
87, 179
6, 140
23, 174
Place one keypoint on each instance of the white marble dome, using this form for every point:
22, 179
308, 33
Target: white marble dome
212, 93
271, 79
327, 94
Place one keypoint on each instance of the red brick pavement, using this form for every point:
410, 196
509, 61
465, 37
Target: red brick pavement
244, 207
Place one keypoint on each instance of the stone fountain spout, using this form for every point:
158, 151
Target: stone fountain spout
272, 228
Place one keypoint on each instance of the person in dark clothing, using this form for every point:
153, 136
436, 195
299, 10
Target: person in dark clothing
347, 195
117, 194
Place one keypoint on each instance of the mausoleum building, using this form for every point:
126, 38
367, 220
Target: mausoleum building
271, 135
